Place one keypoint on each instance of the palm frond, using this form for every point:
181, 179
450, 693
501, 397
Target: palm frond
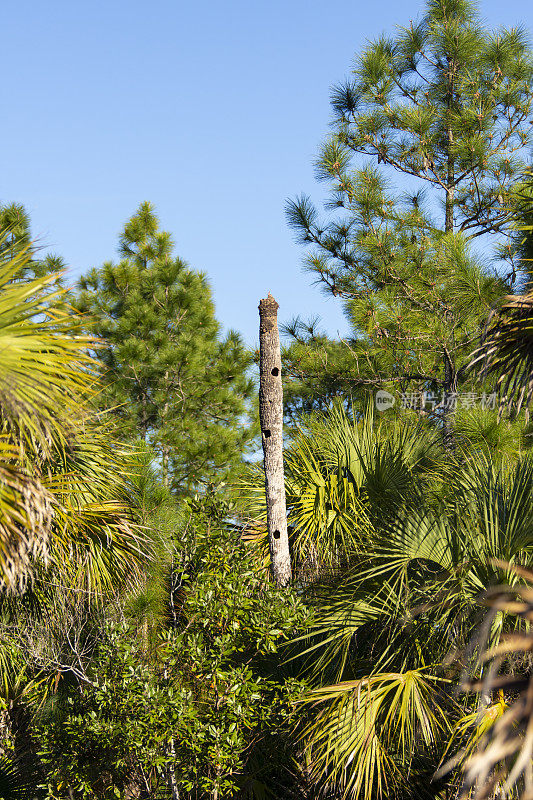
94, 540
45, 369
363, 733
16, 781
63, 479
26, 512
501, 758
343, 475
506, 351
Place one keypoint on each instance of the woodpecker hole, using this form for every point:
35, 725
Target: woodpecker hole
266, 434
276, 534
275, 372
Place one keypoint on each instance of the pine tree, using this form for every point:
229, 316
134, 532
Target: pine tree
522, 239
429, 138
170, 377
15, 236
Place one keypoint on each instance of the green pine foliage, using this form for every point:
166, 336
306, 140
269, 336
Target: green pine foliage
506, 348
429, 138
523, 235
171, 378
318, 370
17, 238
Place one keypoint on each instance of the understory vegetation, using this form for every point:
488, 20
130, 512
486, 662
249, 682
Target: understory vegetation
145, 649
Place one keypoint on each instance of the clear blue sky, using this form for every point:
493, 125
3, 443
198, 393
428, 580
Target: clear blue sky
212, 111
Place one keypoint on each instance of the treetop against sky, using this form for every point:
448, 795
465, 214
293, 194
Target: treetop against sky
213, 112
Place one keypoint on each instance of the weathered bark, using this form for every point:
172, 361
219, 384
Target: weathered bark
450, 185
450, 177
271, 419
165, 454
166, 448
449, 389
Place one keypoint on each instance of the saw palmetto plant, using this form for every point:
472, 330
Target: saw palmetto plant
390, 634
68, 535
343, 473
404, 539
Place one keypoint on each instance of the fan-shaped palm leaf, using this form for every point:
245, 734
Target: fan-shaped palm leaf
411, 599
44, 364
16, 781
363, 724
342, 476
63, 482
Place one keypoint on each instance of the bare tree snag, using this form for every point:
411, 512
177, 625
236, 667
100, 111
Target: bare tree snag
271, 420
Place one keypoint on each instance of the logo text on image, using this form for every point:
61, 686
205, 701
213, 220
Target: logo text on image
384, 400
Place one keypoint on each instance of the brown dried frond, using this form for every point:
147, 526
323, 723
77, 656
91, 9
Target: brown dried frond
506, 351
26, 512
502, 763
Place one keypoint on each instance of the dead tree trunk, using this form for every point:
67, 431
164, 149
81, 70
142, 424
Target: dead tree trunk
271, 420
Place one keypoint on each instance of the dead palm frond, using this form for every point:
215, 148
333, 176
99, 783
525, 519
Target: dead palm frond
26, 511
502, 759
63, 480
506, 351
